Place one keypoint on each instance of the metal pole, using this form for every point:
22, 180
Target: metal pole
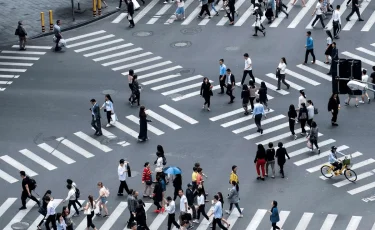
42, 21
73, 10
99, 7
50, 20
94, 8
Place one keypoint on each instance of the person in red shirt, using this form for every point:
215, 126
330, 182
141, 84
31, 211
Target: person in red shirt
147, 180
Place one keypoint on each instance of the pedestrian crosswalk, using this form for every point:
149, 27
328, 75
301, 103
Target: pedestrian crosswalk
79, 145
14, 62
158, 13
276, 129
253, 219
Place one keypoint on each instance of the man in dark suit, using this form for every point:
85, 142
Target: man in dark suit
334, 56
230, 81
355, 9
95, 122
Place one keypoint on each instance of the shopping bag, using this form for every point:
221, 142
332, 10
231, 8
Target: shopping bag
309, 145
62, 43
113, 118
136, 4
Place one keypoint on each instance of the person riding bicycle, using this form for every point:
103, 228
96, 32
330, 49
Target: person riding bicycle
333, 160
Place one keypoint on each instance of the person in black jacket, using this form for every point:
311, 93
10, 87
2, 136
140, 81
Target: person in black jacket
21, 33
245, 96
355, 9
140, 216
136, 92
230, 85
280, 154
43, 208
206, 93
334, 107
302, 117
292, 115
334, 56
232, 10
131, 13
158, 195
190, 196
177, 184
270, 159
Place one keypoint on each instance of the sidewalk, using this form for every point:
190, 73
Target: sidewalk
29, 12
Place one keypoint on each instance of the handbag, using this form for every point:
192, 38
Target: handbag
42, 211
113, 118
309, 145
316, 111
87, 211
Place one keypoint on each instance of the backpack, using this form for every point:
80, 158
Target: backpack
260, 12
303, 116
32, 184
17, 32
164, 160
129, 170
78, 193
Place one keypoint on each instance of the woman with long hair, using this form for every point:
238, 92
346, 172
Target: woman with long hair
263, 95
201, 205
245, 96
313, 136
334, 107
274, 218
270, 157
177, 184
43, 208
143, 124
158, 194
206, 93
67, 218
329, 48
260, 161
302, 117
234, 198
253, 93
60, 222
108, 105
281, 68
292, 115
301, 98
136, 91
140, 215
221, 199
90, 208
102, 199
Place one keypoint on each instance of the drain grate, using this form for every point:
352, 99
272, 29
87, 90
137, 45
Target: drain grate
181, 44
143, 34
191, 31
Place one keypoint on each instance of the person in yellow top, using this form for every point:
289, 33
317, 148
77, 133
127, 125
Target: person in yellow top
233, 175
194, 178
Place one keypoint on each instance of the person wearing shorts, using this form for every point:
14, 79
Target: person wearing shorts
180, 12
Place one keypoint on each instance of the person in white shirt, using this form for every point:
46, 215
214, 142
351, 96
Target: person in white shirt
310, 112
51, 213
72, 199
201, 205
180, 12
171, 209
281, 68
183, 205
248, 69
301, 98
108, 105
336, 22
318, 13
122, 174
74, 185
364, 93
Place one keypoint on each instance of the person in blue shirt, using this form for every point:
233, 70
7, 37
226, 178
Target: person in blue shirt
218, 214
222, 76
258, 113
274, 218
333, 160
309, 47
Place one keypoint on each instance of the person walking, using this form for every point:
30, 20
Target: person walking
27, 188
132, 205
95, 118
234, 198
364, 92
171, 209
230, 80
136, 91
258, 22
222, 75
310, 112
253, 94
245, 96
218, 214
280, 155
336, 22
143, 124
329, 47
292, 115
274, 218
313, 136
206, 93
270, 159
280, 73
147, 180
258, 113
201, 205
262, 92
72, 199
141, 217
279, 8
372, 79
200, 181
231, 10
177, 184
204, 9
102, 199
248, 69
190, 196
260, 161
74, 185
309, 48
158, 195
57, 33
183, 205
131, 13
334, 56
318, 14
334, 107
122, 172
22, 35
51, 213
108, 109
301, 98
43, 209
89, 212
130, 81
233, 175
302, 118
355, 9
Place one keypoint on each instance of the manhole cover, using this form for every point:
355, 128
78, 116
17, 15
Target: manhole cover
143, 34
183, 44
110, 140
20, 225
191, 30
109, 91
52, 138
186, 71
232, 48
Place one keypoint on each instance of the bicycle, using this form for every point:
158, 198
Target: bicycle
327, 170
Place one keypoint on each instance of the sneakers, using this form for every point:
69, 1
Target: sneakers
196, 221
227, 212
361, 102
108, 125
22, 208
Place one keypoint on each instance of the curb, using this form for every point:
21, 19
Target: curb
78, 25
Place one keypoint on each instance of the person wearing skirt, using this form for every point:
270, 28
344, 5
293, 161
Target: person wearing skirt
143, 124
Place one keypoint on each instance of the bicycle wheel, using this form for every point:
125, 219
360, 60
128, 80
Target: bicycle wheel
350, 175
326, 171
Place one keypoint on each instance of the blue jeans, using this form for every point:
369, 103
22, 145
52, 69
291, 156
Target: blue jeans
213, 7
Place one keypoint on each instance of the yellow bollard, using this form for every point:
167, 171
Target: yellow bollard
50, 20
99, 7
42, 21
94, 8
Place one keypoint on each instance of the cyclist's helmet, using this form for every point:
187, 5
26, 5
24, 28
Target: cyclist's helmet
333, 148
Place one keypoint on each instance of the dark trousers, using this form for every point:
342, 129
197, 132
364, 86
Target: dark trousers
258, 119
280, 79
120, 3
230, 92
252, 102
207, 100
309, 122
77, 202
337, 165
96, 124
131, 219
58, 37
307, 54
237, 206
354, 10
314, 142
123, 185
222, 83
41, 222
25, 195
192, 207
258, 29
131, 21
303, 124
51, 220
131, 91
137, 97
291, 126
157, 204
280, 9
89, 221
336, 29
230, 15
281, 165
274, 226
172, 220
109, 113
218, 222
334, 116
245, 73
204, 9
318, 17
73, 202
201, 209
